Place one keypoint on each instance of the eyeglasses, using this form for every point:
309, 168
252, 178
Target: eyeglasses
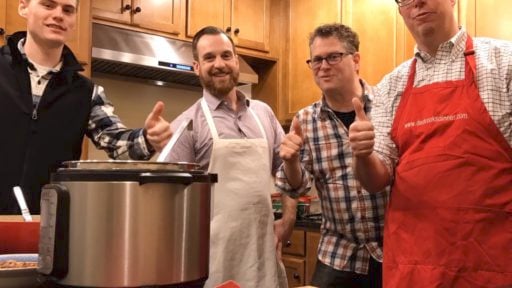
403, 3
331, 59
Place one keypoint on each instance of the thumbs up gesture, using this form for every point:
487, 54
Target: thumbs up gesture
361, 132
292, 142
158, 130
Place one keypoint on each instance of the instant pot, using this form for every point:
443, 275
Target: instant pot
126, 224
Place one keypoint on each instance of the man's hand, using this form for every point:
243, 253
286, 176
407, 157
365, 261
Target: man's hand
292, 143
361, 132
157, 128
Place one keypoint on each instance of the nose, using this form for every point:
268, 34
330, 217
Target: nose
58, 13
219, 62
324, 64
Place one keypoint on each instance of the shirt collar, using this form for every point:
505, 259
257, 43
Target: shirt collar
215, 103
34, 66
367, 97
453, 47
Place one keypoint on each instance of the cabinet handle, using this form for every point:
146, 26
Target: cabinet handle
126, 7
137, 10
237, 31
228, 29
296, 275
288, 243
2, 31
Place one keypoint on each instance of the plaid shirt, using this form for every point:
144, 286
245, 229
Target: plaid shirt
104, 128
352, 218
493, 78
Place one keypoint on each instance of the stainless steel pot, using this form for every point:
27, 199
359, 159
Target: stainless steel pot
126, 224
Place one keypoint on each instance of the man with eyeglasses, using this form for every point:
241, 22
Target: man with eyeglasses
443, 137
317, 148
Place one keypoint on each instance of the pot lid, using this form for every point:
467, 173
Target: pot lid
129, 165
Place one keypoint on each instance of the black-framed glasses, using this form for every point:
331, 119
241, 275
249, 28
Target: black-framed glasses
403, 3
331, 59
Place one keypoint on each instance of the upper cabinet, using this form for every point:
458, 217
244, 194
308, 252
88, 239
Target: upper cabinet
2, 21
247, 21
11, 21
380, 52
305, 16
157, 15
489, 18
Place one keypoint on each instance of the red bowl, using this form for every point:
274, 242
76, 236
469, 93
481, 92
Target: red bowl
19, 237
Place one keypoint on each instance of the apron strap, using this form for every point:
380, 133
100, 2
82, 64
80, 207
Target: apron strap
209, 119
211, 124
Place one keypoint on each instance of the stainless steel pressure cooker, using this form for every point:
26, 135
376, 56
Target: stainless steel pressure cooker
126, 224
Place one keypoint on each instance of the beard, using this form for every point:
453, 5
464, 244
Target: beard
219, 89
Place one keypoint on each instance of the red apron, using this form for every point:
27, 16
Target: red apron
449, 221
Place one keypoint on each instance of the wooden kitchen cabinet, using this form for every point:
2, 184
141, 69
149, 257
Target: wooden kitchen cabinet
247, 21
3, 4
305, 16
490, 18
299, 256
157, 15
80, 42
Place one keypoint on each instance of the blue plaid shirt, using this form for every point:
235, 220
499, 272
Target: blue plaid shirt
352, 218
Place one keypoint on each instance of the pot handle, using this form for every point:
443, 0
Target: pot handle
177, 178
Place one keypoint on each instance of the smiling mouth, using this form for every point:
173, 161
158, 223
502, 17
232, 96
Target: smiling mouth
57, 27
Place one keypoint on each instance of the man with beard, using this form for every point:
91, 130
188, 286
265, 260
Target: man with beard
238, 139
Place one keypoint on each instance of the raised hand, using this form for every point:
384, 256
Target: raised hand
292, 142
158, 130
361, 132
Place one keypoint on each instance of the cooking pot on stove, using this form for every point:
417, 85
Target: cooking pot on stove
126, 224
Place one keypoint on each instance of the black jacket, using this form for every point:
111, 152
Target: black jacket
34, 145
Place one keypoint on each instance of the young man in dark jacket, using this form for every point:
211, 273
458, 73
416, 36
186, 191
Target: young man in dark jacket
46, 107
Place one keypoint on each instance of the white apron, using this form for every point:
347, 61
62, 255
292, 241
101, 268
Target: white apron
241, 229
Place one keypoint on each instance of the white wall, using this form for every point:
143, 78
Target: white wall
133, 100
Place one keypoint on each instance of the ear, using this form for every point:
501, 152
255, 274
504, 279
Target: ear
22, 8
195, 64
357, 58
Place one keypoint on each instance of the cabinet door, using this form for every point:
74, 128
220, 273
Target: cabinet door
3, 11
13, 21
294, 270
200, 15
312, 240
492, 19
378, 50
112, 10
250, 21
305, 16
162, 16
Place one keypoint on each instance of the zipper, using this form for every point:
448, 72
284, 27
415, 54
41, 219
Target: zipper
34, 113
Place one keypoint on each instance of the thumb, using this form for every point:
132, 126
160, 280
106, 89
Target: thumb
295, 127
157, 111
358, 107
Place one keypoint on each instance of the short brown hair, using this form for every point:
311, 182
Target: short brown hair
342, 32
208, 30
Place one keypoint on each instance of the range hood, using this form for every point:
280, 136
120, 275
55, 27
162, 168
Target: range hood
136, 54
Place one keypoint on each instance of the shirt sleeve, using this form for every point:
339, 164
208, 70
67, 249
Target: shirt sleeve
108, 133
387, 96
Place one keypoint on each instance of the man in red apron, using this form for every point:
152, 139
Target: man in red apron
442, 137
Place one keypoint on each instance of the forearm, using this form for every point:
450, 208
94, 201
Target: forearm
293, 172
371, 173
289, 210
